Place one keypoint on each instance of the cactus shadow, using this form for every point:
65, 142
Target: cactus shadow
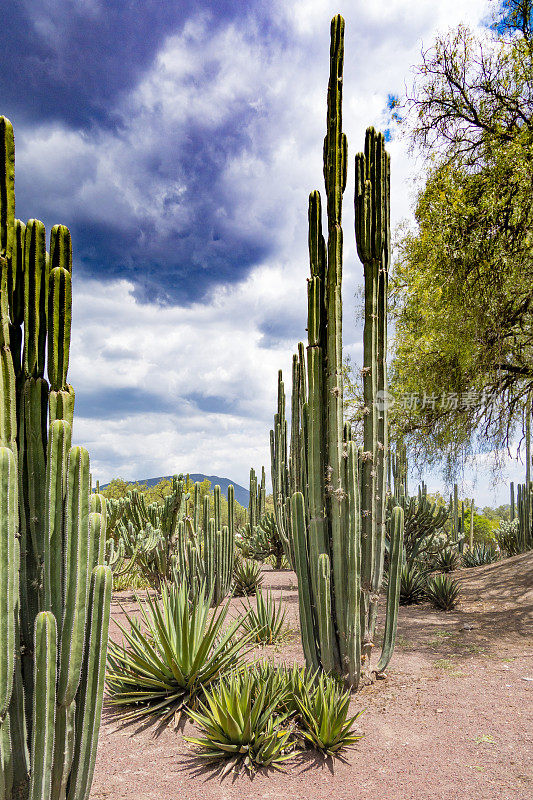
115, 716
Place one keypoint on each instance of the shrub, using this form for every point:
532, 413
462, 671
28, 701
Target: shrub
507, 537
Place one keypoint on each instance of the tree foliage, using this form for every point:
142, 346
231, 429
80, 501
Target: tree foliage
461, 298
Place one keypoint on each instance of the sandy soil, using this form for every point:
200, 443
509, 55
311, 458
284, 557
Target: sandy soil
454, 718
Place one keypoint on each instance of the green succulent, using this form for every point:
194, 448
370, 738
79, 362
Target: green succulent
447, 560
412, 585
265, 622
247, 577
442, 591
323, 715
240, 724
480, 554
179, 651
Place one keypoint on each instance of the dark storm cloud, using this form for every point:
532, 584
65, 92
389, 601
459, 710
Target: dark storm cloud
70, 67
69, 62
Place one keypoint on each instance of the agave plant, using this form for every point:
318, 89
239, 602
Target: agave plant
447, 560
176, 653
247, 577
442, 591
265, 622
323, 715
241, 725
480, 554
412, 585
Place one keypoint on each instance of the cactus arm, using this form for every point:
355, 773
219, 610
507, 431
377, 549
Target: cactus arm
64, 738
59, 323
61, 405
7, 187
97, 530
89, 704
393, 591
59, 441
301, 558
8, 573
6, 758
217, 512
76, 574
60, 248
352, 551
44, 699
35, 298
328, 654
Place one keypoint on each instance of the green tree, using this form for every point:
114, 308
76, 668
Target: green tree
118, 488
462, 356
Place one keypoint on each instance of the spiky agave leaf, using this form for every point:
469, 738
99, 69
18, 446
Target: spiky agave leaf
442, 591
265, 621
412, 585
479, 555
447, 560
240, 724
247, 577
323, 712
177, 652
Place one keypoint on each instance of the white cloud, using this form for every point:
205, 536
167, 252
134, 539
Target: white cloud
215, 348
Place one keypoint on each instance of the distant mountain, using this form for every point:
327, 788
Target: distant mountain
242, 495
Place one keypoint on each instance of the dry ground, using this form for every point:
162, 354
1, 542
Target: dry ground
453, 720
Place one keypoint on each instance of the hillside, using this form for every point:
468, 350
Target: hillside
242, 495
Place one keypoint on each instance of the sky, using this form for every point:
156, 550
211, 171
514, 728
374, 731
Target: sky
179, 142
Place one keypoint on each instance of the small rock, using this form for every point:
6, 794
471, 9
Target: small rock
466, 627
527, 679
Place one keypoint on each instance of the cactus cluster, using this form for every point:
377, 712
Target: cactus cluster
286, 467
423, 519
55, 593
164, 542
338, 504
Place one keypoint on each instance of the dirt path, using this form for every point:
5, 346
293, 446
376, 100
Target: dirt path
453, 721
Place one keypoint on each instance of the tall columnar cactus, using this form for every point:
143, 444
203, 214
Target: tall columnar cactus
338, 527
256, 504
399, 468
219, 547
54, 594
288, 468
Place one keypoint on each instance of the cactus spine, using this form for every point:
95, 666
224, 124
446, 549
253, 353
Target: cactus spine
338, 524
53, 628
